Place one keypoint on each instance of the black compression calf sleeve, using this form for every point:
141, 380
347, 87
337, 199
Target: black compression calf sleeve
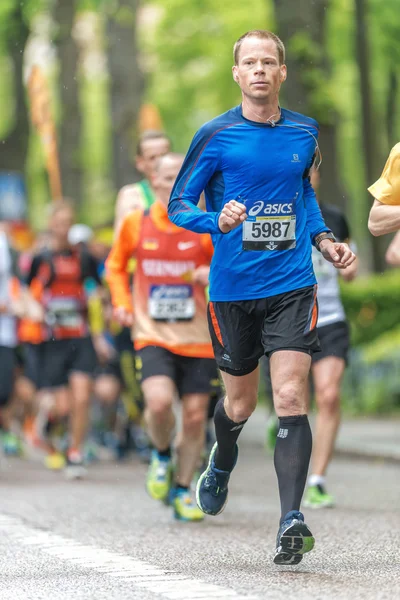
291, 459
212, 405
227, 433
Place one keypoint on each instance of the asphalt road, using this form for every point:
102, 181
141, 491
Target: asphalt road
104, 538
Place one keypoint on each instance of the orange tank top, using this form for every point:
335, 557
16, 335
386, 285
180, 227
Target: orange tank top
63, 297
170, 311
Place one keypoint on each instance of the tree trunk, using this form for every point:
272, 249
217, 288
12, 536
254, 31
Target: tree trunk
373, 161
126, 89
70, 127
303, 33
13, 149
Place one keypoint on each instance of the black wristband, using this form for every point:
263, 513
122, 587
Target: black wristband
325, 235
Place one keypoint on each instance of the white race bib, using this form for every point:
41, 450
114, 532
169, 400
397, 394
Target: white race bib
171, 303
65, 312
269, 226
323, 269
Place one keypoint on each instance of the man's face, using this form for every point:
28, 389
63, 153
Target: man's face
164, 178
258, 72
61, 223
151, 152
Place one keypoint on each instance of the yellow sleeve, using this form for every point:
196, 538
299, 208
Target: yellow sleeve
95, 315
387, 188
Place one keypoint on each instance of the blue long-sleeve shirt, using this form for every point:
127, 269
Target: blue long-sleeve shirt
264, 167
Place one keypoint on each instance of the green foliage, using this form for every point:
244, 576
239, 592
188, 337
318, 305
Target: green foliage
384, 347
7, 22
372, 305
96, 153
6, 95
372, 381
10, 21
89, 5
189, 53
385, 28
32, 8
321, 103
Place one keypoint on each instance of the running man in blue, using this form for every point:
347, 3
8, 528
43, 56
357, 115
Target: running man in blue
253, 164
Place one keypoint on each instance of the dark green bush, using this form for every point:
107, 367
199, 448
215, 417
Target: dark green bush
372, 305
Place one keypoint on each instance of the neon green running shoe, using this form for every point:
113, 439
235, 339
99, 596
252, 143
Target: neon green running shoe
316, 497
159, 477
185, 508
12, 445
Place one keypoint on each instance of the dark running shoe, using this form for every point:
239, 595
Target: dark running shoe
212, 486
294, 539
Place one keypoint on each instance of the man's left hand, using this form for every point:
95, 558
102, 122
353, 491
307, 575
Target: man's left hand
339, 254
201, 274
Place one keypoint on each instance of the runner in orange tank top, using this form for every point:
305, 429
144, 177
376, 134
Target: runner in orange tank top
56, 279
170, 333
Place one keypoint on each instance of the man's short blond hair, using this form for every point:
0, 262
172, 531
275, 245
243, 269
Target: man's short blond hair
264, 35
149, 135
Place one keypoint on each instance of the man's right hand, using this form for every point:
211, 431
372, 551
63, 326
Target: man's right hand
123, 316
232, 215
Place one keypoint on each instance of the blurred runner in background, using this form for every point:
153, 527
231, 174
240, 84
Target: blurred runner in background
151, 145
385, 212
107, 376
170, 334
56, 279
328, 365
9, 292
40, 405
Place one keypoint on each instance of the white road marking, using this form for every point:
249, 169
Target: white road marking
161, 582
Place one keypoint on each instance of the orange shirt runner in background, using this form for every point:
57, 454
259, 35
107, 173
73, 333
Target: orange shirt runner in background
169, 309
31, 330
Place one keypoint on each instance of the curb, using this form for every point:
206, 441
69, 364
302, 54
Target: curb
342, 453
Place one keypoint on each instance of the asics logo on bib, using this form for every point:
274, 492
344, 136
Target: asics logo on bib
266, 208
171, 291
167, 268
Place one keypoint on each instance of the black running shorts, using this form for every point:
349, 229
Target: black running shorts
334, 340
190, 375
7, 366
32, 359
242, 331
61, 358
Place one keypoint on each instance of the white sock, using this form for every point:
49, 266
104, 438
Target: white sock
316, 480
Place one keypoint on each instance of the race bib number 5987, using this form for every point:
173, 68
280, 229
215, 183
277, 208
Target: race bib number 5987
269, 226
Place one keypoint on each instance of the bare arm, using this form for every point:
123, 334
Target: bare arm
128, 200
383, 218
350, 272
393, 252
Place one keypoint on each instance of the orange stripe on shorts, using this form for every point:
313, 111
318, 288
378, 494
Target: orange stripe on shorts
214, 321
314, 316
